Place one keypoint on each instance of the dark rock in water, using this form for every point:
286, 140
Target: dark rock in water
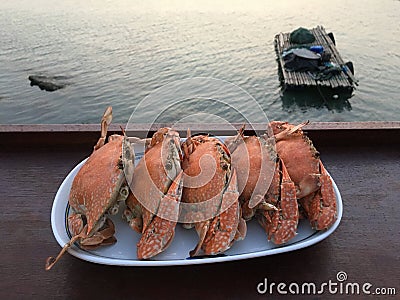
46, 83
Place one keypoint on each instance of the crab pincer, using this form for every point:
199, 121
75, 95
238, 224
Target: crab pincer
321, 206
161, 229
280, 224
218, 235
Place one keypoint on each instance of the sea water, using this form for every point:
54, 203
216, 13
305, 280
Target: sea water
119, 52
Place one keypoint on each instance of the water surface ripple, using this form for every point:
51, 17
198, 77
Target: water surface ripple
117, 52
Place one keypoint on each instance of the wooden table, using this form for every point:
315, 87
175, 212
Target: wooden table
363, 159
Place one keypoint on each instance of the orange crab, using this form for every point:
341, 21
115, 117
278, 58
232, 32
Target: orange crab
153, 206
266, 188
314, 186
210, 187
96, 191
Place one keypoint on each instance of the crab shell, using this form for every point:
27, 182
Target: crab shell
300, 157
206, 168
209, 180
100, 184
254, 160
151, 184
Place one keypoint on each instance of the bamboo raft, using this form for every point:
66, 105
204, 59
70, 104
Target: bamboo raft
345, 80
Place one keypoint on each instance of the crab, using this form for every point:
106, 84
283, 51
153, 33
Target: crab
314, 186
153, 206
96, 191
266, 188
211, 196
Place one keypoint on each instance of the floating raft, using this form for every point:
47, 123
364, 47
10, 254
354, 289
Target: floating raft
345, 80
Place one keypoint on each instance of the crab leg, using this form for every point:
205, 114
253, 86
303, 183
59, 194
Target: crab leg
188, 147
203, 228
160, 232
282, 135
134, 214
233, 141
101, 238
105, 122
51, 261
158, 137
299, 126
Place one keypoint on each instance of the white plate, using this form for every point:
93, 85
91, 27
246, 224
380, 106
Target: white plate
123, 253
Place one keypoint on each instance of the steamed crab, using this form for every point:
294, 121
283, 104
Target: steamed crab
153, 206
96, 191
266, 188
210, 193
314, 186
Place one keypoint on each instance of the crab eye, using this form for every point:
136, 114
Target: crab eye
127, 153
168, 165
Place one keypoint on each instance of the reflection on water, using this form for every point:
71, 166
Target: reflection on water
318, 98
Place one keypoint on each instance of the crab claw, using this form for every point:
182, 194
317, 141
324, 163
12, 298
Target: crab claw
321, 206
160, 232
281, 224
217, 235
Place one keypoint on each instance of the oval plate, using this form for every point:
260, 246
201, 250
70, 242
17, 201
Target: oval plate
123, 253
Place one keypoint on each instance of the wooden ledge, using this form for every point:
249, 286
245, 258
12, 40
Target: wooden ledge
24, 128
322, 133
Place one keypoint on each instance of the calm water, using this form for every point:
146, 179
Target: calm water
118, 52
